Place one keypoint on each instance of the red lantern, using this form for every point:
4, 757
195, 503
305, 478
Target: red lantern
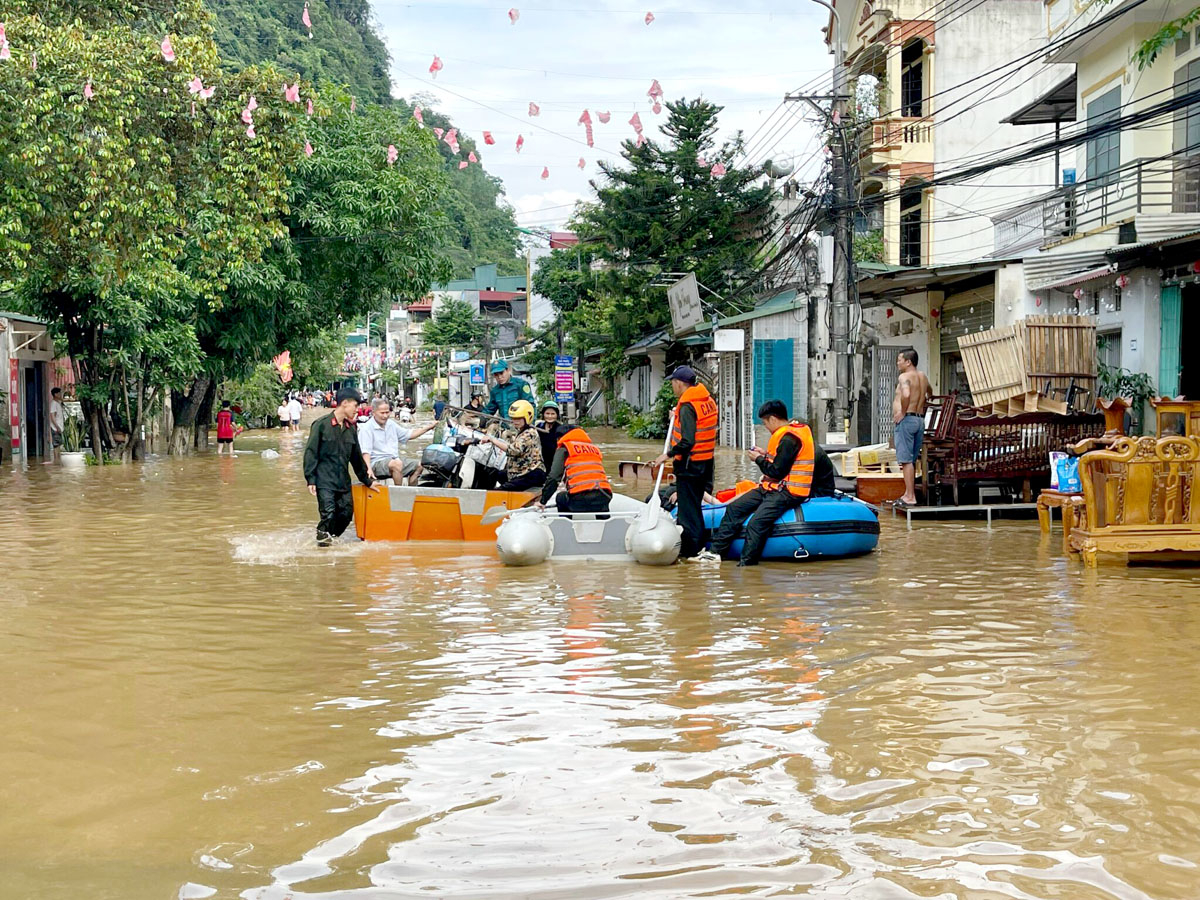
1038, 301
1078, 295
935, 312
1196, 267
1123, 281
890, 312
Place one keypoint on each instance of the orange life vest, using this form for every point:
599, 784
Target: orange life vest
698, 397
798, 482
584, 470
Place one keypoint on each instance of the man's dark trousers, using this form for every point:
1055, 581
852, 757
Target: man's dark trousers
766, 507
337, 512
689, 513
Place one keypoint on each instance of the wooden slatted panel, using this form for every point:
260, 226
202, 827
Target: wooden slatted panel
1059, 349
994, 361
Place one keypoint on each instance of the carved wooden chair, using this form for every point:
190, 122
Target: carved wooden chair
1139, 497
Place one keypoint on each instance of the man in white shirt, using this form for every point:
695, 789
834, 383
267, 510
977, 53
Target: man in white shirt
58, 420
380, 438
294, 410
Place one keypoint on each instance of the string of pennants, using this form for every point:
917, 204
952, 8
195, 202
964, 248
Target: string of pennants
291, 94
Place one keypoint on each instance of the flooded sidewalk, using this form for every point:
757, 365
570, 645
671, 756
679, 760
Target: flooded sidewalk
200, 703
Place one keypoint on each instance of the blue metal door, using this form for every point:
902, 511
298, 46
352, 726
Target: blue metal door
773, 373
1169, 346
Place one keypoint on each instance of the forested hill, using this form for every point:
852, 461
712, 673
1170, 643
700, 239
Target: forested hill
344, 47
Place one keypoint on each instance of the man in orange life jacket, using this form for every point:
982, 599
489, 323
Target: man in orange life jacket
580, 467
794, 468
693, 439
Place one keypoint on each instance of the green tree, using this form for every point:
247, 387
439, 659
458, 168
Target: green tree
455, 325
258, 394
111, 199
360, 232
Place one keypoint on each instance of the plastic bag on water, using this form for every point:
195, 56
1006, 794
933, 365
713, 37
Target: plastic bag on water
270, 454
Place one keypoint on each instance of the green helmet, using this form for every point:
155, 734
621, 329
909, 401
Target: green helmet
549, 404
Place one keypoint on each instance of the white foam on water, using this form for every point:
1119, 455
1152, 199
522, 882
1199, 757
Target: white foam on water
290, 546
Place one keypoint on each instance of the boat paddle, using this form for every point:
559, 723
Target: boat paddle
650, 515
496, 513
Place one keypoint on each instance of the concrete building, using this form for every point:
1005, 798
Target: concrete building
26, 361
1115, 237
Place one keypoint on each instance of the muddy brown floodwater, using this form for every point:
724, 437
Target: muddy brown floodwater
195, 701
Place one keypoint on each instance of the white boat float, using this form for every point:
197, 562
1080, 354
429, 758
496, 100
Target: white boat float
631, 531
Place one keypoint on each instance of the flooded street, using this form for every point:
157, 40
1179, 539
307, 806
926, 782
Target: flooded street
197, 702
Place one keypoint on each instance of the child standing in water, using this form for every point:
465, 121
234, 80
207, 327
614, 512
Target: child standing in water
225, 429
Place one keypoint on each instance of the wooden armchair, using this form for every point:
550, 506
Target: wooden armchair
1139, 497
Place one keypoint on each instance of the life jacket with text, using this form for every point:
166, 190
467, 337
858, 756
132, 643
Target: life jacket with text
584, 470
698, 397
798, 481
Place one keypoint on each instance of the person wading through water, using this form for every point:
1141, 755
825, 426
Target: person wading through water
332, 445
693, 440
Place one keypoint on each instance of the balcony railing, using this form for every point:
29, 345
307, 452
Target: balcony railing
892, 134
1157, 185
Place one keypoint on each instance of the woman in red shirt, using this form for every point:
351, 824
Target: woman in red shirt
225, 428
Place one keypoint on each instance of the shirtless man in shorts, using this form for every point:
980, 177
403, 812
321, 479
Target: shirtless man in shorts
908, 412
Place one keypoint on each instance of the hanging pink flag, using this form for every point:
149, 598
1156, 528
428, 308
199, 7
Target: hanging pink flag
247, 116
656, 91
419, 116
3, 34
488, 139
195, 86
87, 90
603, 117
718, 170
471, 157
308, 108
513, 15
292, 94
252, 104
649, 17
353, 103
534, 109
207, 93
520, 142
581, 162
586, 121
250, 131
308, 150
5, 53
463, 164
656, 108
393, 154
641, 140
304, 17
439, 132
168, 52
636, 122
435, 66
545, 173
701, 163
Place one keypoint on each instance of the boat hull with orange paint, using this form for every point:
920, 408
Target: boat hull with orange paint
403, 513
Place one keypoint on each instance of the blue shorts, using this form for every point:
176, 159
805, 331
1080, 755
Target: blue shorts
908, 435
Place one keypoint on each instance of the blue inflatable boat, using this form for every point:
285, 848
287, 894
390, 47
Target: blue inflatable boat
823, 527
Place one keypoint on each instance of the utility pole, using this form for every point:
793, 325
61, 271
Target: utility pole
844, 291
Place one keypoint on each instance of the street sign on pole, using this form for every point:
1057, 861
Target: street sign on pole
684, 299
564, 379
477, 376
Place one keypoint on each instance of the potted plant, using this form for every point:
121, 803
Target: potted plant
1137, 388
72, 446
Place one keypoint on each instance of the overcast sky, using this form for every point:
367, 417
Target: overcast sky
743, 55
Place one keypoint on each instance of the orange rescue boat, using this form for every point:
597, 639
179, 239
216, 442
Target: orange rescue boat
404, 513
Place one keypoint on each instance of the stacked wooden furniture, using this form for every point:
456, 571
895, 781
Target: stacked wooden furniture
980, 446
1140, 498
1039, 364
